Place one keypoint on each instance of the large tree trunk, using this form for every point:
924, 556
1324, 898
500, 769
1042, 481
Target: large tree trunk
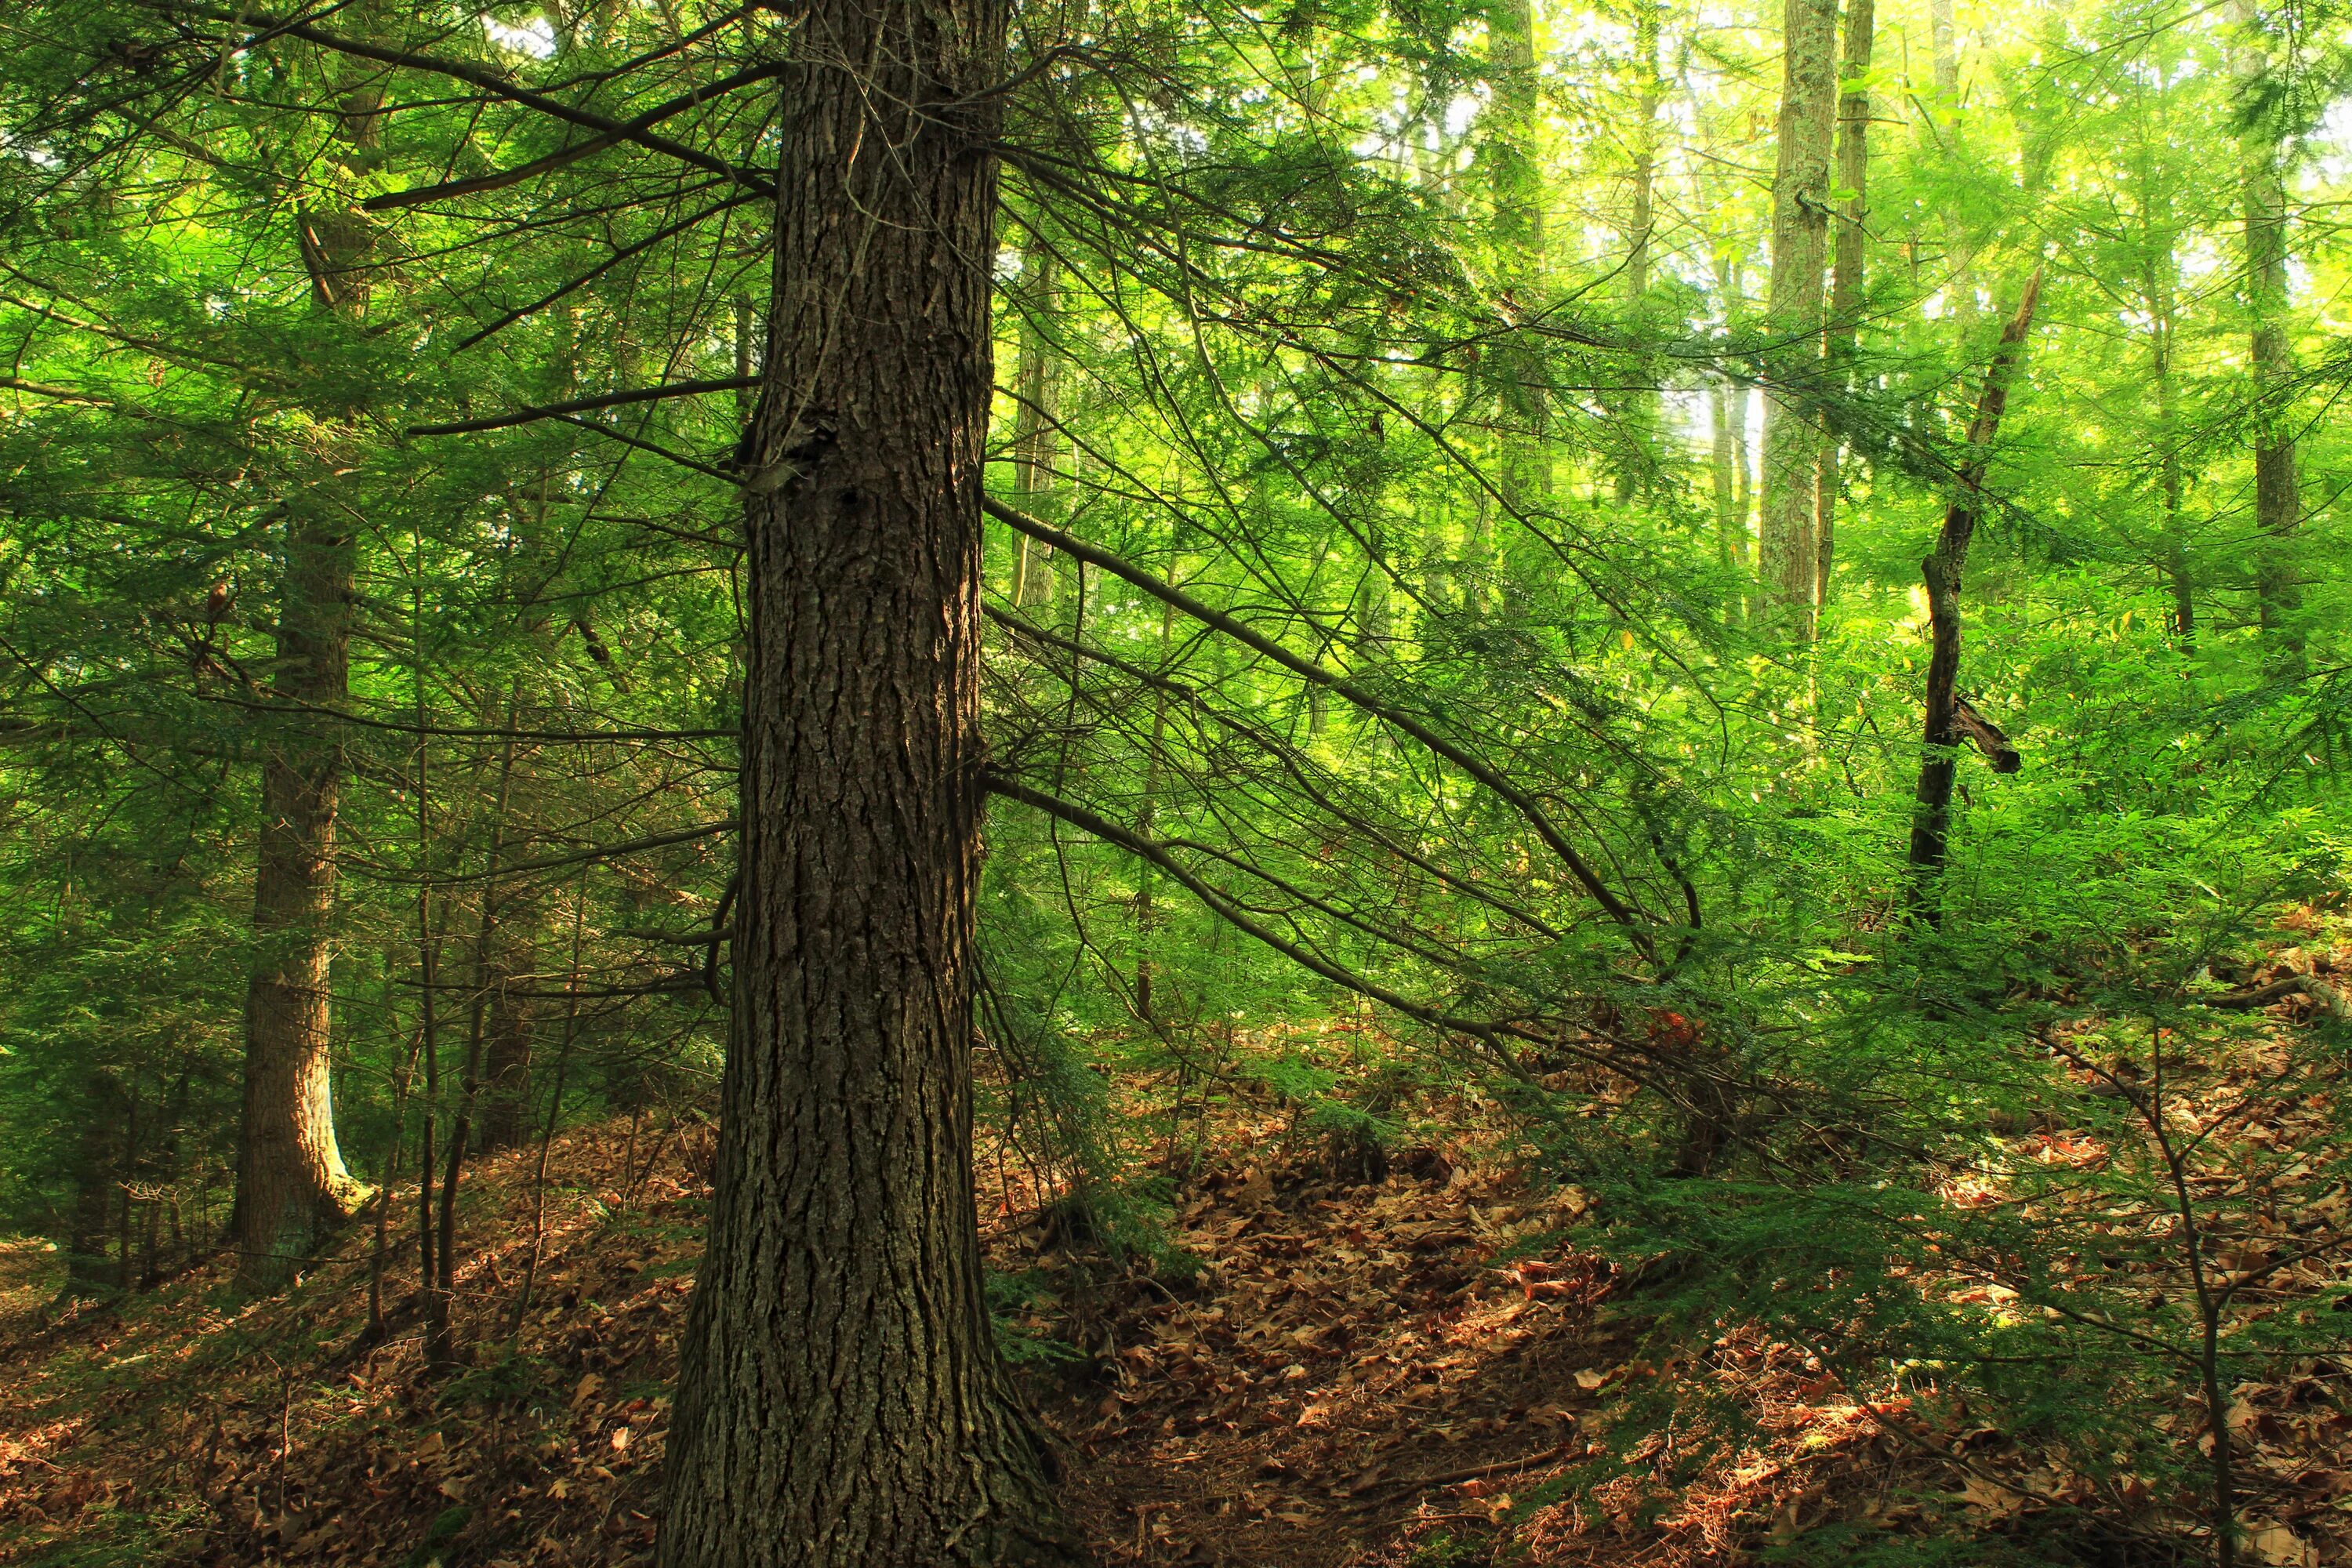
1801, 188
840, 1404
1846, 288
1931, 819
2278, 502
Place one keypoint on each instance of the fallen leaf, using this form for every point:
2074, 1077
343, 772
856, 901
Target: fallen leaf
2282, 1548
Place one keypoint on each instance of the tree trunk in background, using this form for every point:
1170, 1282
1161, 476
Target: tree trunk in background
840, 1404
1035, 431
1845, 289
96, 1177
506, 1119
1730, 527
1932, 811
1800, 186
291, 1183
2278, 501
2158, 284
1642, 219
1948, 56
1516, 174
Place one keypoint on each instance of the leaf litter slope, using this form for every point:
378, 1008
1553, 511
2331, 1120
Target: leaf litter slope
1419, 1370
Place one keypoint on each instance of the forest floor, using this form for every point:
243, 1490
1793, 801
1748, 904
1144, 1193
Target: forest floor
1416, 1371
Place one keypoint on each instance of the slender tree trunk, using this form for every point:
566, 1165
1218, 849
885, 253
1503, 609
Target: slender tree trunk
554, 1114
1730, 528
840, 1403
1147, 816
428, 976
508, 1035
97, 1174
2168, 483
1932, 813
1846, 288
1642, 219
2278, 501
291, 1183
1515, 170
1035, 432
1801, 188
1946, 49
469, 1081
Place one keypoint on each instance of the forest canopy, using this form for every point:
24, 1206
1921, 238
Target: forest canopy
1742, 607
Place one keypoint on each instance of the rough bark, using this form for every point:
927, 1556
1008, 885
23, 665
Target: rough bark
1801, 188
1846, 272
840, 1404
1943, 730
2278, 501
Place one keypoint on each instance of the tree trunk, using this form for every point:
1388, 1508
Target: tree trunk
1947, 58
2161, 279
2278, 502
1642, 220
1035, 433
1730, 527
1932, 813
840, 1403
1846, 288
291, 1183
97, 1174
1516, 174
506, 1119
1801, 187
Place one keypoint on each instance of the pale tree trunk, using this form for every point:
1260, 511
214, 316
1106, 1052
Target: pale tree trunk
1846, 288
1730, 526
1036, 425
2278, 501
840, 1404
1642, 218
291, 1183
1516, 172
1947, 53
1959, 252
1801, 187
2158, 285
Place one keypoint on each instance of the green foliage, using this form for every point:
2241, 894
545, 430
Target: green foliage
1418, 723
